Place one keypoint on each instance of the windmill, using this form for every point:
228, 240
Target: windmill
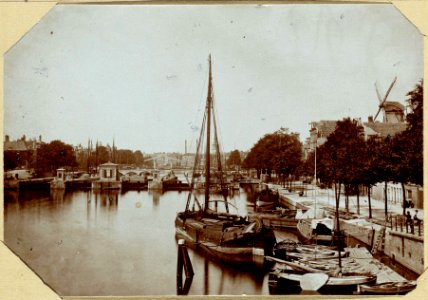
382, 101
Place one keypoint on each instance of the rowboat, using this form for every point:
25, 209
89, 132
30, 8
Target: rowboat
315, 255
387, 288
289, 280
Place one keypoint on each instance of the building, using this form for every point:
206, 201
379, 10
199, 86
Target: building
108, 177
382, 130
20, 153
394, 194
393, 112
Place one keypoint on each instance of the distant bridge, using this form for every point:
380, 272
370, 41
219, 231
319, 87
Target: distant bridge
163, 160
139, 172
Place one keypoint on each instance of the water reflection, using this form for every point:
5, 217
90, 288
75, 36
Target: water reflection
107, 199
155, 197
206, 276
111, 243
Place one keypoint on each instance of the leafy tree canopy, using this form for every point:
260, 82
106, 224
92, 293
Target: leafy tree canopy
54, 155
234, 158
407, 147
339, 158
278, 151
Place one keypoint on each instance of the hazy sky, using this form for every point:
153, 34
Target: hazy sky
138, 74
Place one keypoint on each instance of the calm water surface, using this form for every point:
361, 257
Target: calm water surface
86, 243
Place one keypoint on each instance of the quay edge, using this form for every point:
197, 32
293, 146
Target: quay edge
400, 247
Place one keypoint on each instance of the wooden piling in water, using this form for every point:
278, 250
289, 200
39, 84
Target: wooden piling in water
183, 262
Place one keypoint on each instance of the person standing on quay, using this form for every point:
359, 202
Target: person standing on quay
409, 222
416, 220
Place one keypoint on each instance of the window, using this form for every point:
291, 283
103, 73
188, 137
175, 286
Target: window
409, 195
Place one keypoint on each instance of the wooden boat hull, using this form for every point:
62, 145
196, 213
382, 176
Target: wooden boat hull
387, 288
265, 205
307, 256
289, 281
236, 245
306, 236
129, 185
276, 219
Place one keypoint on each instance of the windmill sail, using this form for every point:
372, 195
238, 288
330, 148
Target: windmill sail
382, 101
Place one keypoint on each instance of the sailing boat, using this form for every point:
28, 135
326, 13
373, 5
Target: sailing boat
313, 226
223, 236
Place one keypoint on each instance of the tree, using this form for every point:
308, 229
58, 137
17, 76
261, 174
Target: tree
407, 147
102, 154
139, 158
54, 155
338, 159
17, 159
125, 157
10, 160
370, 169
414, 134
278, 151
234, 159
258, 157
386, 165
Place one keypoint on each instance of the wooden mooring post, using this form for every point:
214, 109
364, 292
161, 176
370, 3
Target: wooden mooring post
183, 262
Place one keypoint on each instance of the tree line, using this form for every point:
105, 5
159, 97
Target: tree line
48, 157
89, 159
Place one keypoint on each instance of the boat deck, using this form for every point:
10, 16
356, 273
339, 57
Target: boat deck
369, 264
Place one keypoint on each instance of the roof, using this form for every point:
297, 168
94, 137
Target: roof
325, 127
385, 129
19, 145
393, 105
108, 164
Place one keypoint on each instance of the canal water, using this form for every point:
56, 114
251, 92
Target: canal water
87, 243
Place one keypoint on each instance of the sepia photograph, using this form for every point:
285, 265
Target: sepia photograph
222, 150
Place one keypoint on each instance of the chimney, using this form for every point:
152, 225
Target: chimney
370, 119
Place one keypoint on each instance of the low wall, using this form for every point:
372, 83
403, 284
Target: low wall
362, 232
405, 248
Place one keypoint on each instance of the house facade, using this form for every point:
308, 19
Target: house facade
20, 153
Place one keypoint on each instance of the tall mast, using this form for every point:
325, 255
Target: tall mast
113, 154
207, 152
89, 156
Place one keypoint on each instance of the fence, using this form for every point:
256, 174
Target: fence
400, 223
